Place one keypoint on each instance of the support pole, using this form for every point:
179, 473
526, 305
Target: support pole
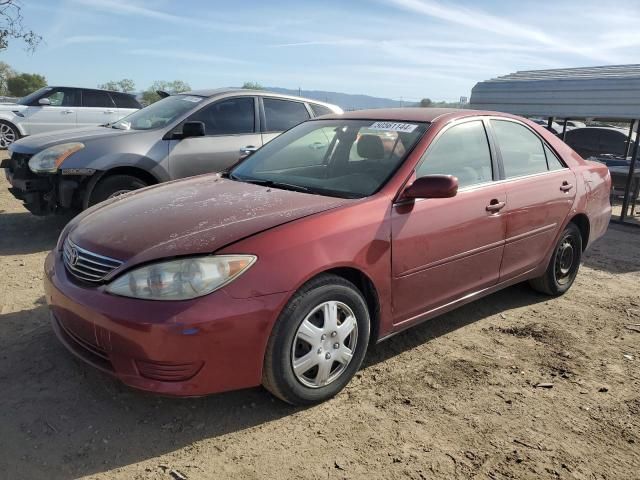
629, 138
564, 129
550, 123
627, 188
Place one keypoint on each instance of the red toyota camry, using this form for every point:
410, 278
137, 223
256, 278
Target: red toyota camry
340, 232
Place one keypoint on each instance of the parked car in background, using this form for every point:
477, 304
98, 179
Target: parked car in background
285, 269
596, 141
556, 128
62, 108
571, 124
178, 136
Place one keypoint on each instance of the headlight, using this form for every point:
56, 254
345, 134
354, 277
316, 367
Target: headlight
49, 159
181, 279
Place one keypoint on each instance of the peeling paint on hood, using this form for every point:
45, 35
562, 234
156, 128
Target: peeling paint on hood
194, 216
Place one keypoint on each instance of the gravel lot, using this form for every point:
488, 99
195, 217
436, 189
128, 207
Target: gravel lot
453, 398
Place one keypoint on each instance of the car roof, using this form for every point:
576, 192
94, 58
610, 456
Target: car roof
93, 89
214, 92
413, 114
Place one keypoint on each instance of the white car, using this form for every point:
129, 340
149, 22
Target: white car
62, 108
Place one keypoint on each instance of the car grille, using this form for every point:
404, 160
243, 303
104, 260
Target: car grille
85, 265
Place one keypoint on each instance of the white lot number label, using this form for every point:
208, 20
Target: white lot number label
191, 99
394, 127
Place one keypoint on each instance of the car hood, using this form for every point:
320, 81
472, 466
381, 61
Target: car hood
40, 141
194, 216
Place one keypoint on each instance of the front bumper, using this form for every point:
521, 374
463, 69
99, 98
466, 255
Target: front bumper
189, 348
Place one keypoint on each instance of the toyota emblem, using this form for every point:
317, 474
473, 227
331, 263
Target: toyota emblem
73, 256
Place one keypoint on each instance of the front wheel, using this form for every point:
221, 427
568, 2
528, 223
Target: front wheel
8, 135
564, 264
318, 342
113, 186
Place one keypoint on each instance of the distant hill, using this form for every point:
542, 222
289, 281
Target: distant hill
346, 101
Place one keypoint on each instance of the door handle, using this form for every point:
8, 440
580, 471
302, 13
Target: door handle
495, 206
566, 186
67, 111
248, 150
108, 111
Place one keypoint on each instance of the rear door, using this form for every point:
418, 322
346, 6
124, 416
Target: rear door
540, 192
446, 248
279, 115
97, 108
231, 128
59, 115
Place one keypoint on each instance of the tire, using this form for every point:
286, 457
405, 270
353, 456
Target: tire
9, 133
114, 185
327, 368
564, 264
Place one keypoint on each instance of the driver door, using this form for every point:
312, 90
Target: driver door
61, 114
230, 130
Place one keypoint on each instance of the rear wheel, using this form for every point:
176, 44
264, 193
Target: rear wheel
318, 342
113, 186
8, 134
563, 267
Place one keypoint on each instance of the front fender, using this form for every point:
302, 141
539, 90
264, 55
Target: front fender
15, 120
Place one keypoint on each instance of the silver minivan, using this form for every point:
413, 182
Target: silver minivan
179, 136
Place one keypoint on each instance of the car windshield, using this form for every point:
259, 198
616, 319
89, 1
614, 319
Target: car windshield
159, 114
341, 158
29, 99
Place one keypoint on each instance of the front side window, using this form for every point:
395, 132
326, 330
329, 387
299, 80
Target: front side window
96, 99
233, 116
521, 150
343, 158
62, 97
461, 151
159, 114
281, 115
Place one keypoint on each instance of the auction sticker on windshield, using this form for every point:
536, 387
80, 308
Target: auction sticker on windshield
394, 127
192, 99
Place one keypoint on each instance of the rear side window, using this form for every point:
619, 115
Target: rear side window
281, 115
125, 101
319, 110
461, 151
227, 117
612, 142
582, 138
553, 162
521, 150
95, 98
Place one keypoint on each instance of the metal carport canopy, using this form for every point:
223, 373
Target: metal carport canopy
606, 93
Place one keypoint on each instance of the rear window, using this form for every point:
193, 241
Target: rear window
319, 110
95, 98
125, 101
281, 115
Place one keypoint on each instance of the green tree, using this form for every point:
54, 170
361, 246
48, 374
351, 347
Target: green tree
6, 72
150, 95
12, 28
25, 83
125, 85
252, 86
426, 102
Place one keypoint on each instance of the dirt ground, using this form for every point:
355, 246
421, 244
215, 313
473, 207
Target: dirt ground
453, 398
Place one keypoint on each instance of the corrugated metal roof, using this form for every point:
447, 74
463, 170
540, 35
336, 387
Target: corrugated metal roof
608, 92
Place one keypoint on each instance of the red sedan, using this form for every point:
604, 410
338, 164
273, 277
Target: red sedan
339, 233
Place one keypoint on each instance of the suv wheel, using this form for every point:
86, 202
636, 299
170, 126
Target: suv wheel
8, 134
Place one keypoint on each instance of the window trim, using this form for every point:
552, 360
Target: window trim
263, 116
543, 142
495, 173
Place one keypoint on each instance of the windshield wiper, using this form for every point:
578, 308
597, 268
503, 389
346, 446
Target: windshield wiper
279, 185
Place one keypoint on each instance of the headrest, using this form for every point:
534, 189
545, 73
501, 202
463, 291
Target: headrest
370, 146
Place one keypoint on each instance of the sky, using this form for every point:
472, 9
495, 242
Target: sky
409, 49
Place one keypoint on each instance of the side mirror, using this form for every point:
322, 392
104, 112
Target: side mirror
44, 101
193, 129
432, 186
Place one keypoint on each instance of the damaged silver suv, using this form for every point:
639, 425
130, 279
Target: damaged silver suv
179, 136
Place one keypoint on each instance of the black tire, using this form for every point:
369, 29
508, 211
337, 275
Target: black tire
9, 133
114, 185
564, 264
278, 373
